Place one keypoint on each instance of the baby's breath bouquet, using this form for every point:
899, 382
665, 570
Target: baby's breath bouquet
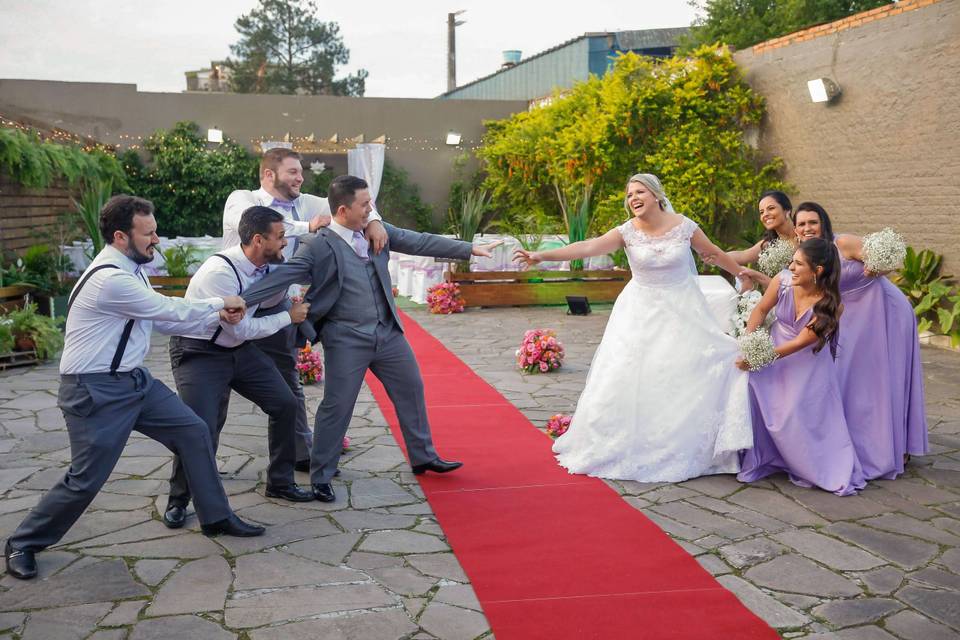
776, 256
883, 251
757, 349
745, 304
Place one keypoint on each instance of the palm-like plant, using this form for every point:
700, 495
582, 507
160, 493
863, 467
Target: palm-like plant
576, 215
466, 223
94, 195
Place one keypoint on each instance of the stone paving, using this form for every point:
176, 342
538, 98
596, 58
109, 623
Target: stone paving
375, 565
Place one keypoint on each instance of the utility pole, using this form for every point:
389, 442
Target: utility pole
452, 24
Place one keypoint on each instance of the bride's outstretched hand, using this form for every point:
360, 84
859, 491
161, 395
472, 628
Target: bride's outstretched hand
526, 258
486, 250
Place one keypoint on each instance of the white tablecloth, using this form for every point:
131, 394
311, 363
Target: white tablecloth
204, 247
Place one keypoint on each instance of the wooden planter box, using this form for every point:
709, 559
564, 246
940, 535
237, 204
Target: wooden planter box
18, 359
169, 286
13, 297
519, 288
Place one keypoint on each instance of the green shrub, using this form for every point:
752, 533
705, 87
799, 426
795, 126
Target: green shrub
43, 330
36, 163
178, 260
398, 200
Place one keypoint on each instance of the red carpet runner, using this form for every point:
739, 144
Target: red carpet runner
552, 555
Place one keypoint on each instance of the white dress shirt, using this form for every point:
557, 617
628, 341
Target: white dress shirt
343, 232
108, 300
216, 278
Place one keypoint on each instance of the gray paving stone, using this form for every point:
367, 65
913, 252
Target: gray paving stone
899, 523
193, 627
942, 606
330, 549
858, 633
403, 580
303, 602
100, 582
391, 624
713, 564
828, 551
108, 634
776, 505
883, 581
186, 546
910, 625
280, 535
402, 542
951, 560
936, 578
774, 613
704, 520
364, 560
378, 492
352, 520
277, 569
67, 623
674, 528
718, 486
917, 491
453, 623
669, 493
898, 502
848, 613
750, 552
35, 401
153, 571
123, 614
93, 525
461, 595
274, 513
796, 600
149, 530
909, 553
796, 574
834, 508
11, 620
438, 565
378, 458
196, 587
106, 501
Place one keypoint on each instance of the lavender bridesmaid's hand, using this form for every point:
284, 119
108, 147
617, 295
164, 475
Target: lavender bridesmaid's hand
742, 364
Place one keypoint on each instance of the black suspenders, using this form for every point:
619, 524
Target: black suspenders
127, 328
216, 334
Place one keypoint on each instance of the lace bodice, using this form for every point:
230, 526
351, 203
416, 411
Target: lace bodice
659, 260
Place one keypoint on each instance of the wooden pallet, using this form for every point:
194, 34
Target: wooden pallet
520, 288
18, 359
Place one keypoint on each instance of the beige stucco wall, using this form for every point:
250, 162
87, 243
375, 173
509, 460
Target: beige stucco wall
888, 151
119, 114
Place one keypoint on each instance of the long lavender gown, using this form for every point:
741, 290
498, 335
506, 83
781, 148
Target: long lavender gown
798, 423
878, 365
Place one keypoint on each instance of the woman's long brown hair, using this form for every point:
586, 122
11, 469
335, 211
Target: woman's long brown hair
826, 322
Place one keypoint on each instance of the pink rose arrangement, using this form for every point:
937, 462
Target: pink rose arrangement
346, 443
540, 351
557, 425
309, 365
445, 298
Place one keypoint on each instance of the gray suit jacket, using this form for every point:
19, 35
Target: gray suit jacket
318, 262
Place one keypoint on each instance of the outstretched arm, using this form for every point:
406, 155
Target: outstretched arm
766, 304
607, 243
427, 244
712, 254
297, 270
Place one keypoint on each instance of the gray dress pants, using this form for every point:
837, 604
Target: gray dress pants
347, 355
205, 374
100, 411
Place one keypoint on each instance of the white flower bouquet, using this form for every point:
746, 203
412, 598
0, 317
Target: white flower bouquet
883, 251
745, 304
775, 257
757, 349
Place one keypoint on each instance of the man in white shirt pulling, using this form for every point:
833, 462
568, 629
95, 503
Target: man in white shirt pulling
106, 392
208, 363
281, 176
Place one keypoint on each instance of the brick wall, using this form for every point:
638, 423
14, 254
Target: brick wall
25, 214
887, 152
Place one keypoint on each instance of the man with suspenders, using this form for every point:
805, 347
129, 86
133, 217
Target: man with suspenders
106, 392
281, 176
209, 362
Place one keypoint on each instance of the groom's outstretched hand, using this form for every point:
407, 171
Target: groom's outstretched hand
526, 258
486, 250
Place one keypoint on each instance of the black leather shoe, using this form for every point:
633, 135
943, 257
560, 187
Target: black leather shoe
291, 492
232, 526
437, 466
20, 564
323, 491
174, 516
302, 466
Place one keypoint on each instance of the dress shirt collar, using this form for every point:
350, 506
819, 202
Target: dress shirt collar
342, 231
112, 255
242, 262
266, 199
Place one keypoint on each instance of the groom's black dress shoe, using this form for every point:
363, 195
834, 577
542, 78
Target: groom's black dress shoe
174, 516
437, 466
323, 492
20, 564
232, 526
291, 492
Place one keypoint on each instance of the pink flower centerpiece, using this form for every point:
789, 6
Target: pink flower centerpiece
540, 351
557, 425
445, 298
309, 365
346, 443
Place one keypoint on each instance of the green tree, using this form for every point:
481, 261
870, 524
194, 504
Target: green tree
285, 48
398, 200
187, 181
743, 23
683, 119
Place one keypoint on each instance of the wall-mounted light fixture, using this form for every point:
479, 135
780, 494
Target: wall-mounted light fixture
453, 138
214, 135
823, 90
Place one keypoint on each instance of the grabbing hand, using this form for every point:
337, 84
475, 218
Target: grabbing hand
234, 303
376, 234
298, 312
486, 250
527, 258
755, 277
319, 220
231, 316
742, 364
746, 282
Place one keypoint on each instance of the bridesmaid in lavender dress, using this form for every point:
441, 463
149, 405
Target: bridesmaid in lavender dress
879, 357
798, 420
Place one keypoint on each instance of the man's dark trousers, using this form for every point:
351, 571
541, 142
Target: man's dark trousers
101, 410
204, 373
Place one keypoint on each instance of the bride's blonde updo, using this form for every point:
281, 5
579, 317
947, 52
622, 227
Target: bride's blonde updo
652, 183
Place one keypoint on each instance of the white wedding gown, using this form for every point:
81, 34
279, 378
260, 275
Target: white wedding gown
663, 401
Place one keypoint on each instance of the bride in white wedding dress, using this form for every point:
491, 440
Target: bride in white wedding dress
663, 401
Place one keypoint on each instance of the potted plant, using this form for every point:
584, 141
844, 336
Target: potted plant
46, 271
32, 330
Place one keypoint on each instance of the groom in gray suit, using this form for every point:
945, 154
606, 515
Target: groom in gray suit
353, 313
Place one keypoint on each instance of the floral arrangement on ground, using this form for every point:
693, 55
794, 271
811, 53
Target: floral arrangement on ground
309, 365
558, 424
540, 351
445, 298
